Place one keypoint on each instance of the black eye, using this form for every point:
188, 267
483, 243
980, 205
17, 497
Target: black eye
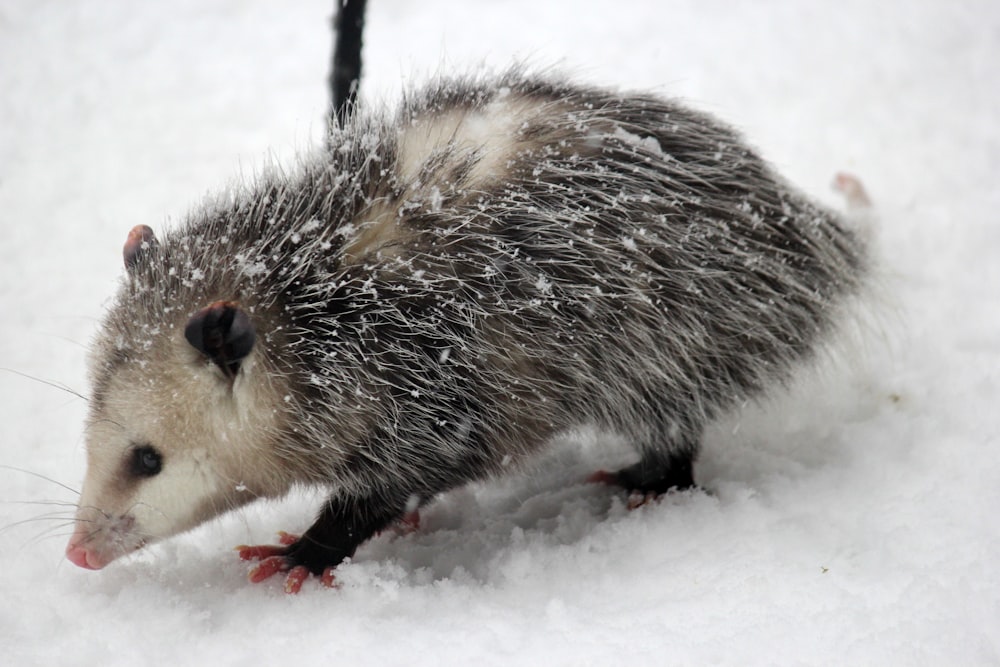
146, 461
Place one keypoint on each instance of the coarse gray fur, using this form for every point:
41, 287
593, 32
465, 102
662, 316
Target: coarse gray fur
446, 288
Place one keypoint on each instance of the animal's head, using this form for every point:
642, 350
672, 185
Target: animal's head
183, 416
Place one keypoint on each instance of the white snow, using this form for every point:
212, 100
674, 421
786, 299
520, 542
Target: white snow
647, 144
853, 521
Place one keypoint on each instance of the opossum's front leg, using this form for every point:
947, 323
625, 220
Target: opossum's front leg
341, 527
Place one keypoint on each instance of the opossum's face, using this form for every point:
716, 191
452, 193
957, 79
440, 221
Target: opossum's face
176, 435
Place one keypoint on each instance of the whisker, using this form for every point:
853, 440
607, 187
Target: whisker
67, 339
54, 385
56, 531
93, 508
40, 476
49, 533
45, 517
63, 523
57, 503
90, 536
91, 422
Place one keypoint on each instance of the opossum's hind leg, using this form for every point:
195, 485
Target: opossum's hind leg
667, 445
654, 475
341, 527
659, 474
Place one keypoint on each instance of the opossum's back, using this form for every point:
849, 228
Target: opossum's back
624, 237
621, 196
579, 243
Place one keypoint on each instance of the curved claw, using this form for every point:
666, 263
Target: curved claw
636, 498
328, 579
296, 577
408, 524
604, 477
274, 559
287, 539
268, 568
260, 552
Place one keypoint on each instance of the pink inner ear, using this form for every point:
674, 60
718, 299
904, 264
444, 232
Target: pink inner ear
140, 239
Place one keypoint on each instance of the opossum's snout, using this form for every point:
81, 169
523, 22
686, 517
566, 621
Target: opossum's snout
170, 432
96, 543
102, 536
176, 417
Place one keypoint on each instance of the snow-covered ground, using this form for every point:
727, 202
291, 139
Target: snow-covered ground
853, 521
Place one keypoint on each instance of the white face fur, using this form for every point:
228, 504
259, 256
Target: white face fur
171, 443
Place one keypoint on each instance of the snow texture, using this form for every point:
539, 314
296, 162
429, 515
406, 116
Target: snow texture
850, 520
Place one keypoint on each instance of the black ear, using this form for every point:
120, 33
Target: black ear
139, 242
223, 333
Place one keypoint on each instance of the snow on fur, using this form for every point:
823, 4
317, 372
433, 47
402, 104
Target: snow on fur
442, 292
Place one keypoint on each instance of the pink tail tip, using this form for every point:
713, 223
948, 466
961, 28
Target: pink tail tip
850, 186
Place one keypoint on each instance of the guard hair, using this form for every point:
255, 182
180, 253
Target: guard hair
443, 290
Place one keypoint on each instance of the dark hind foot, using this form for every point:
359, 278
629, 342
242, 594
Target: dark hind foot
651, 478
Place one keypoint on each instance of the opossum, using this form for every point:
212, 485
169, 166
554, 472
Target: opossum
438, 294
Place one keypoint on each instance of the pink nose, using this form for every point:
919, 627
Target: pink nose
80, 556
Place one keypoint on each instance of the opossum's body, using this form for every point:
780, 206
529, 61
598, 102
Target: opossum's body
438, 295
